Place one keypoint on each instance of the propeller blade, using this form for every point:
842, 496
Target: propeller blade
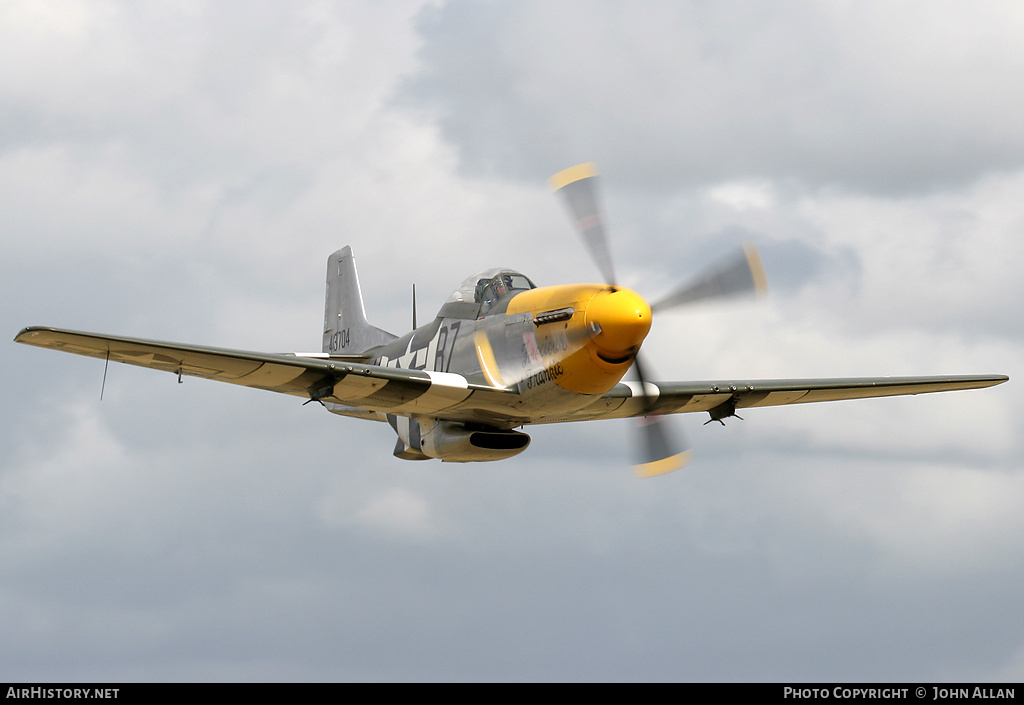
577, 185
512, 354
739, 274
658, 451
661, 450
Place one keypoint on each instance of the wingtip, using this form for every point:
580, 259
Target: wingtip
27, 332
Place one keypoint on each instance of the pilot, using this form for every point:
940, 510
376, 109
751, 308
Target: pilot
481, 294
501, 285
491, 291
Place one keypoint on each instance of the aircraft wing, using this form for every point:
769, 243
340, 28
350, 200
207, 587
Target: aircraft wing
349, 382
357, 387
724, 397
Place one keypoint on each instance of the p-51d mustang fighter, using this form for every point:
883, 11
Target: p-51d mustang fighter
502, 353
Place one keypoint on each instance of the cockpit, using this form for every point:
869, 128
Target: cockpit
487, 292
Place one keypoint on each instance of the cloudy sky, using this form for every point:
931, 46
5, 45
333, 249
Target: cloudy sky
181, 171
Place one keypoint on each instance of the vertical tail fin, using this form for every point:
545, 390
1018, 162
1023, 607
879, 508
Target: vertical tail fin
346, 330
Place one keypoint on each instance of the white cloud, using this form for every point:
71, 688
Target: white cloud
399, 514
743, 195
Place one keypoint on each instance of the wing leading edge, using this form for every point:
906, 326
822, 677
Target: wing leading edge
722, 399
353, 384
346, 381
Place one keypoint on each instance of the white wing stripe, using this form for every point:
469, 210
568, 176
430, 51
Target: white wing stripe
446, 389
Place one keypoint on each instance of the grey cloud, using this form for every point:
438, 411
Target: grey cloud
207, 532
871, 97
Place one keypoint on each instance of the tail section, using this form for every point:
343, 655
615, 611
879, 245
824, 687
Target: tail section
346, 330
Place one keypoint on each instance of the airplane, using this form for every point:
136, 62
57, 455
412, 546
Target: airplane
501, 354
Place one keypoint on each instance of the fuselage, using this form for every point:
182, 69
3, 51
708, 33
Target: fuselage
556, 347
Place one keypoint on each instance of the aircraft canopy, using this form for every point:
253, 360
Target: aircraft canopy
490, 286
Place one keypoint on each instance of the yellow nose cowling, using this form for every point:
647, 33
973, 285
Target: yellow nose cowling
591, 351
623, 320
